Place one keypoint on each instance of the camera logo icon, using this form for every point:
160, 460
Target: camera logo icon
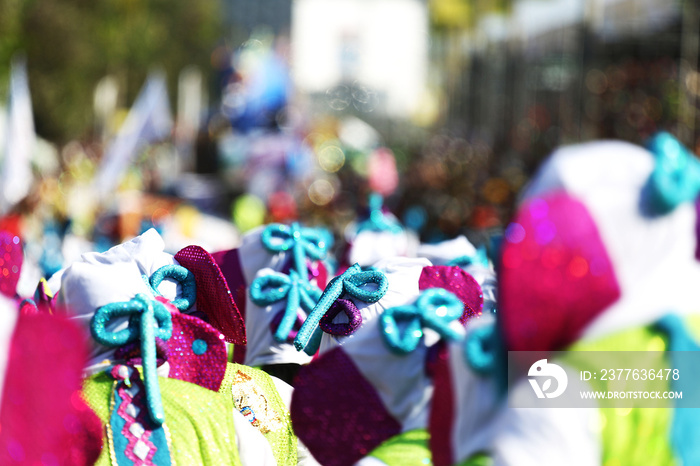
544, 372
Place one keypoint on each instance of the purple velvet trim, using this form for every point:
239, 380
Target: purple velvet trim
337, 413
341, 329
214, 297
275, 322
131, 353
206, 369
457, 281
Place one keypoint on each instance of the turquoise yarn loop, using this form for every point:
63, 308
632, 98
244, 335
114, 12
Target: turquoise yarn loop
481, 349
676, 175
351, 282
435, 308
186, 280
148, 320
479, 258
377, 220
303, 242
273, 288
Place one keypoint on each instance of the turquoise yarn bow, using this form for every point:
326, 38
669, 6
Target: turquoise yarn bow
377, 221
435, 308
148, 320
269, 289
676, 175
350, 282
302, 242
179, 274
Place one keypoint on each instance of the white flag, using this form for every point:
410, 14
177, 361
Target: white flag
16, 170
149, 120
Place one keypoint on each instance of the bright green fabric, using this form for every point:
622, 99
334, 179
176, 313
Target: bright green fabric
200, 431
200, 421
636, 436
406, 449
480, 459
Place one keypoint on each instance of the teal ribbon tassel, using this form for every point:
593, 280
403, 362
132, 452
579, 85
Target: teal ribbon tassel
148, 320
377, 221
303, 242
676, 175
685, 427
350, 282
435, 308
188, 285
273, 288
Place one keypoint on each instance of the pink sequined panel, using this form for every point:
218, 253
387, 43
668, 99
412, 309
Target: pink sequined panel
213, 295
337, 413
230, 264
196, 352
556, 276
457, 281
43, 417
11, 259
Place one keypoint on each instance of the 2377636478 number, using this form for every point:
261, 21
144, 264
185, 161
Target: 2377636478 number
639, 374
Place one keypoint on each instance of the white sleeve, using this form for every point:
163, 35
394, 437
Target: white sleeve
253, 447
547, 436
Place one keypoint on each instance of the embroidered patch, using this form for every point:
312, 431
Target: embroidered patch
251, 401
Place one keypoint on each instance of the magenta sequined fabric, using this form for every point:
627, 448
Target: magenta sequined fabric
42, 413
11, 258
196, 352
213, 295
456, 281
339, 427
556, 276
230, 264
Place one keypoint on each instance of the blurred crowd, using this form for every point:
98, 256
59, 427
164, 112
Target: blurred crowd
277, 274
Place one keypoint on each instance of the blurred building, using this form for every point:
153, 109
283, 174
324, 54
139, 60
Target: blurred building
246, 16
362, 56
534, 74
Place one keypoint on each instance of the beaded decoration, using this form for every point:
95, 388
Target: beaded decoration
435, 308
350, 282
148, 319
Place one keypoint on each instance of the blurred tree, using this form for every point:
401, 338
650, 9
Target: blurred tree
71, 44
